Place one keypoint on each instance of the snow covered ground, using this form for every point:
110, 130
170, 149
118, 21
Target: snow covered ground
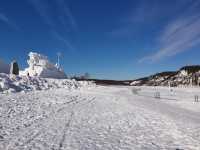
99, 118
181, 96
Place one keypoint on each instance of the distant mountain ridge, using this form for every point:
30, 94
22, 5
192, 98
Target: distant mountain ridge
185, 76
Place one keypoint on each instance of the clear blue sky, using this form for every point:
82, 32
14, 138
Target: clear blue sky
112, 39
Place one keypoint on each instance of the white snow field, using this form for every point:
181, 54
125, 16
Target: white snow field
100, 118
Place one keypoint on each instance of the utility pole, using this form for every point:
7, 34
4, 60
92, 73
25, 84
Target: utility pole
169, 85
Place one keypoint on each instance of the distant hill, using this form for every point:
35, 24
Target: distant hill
191, 69
187, 75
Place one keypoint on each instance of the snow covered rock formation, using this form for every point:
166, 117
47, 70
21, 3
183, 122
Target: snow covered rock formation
40, 66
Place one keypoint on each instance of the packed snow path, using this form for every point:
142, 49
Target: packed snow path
101, 118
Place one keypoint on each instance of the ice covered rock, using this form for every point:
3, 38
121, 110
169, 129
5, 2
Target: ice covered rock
40, 66
4, 68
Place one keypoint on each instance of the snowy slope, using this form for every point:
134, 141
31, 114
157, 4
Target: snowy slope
4, 68
100, 118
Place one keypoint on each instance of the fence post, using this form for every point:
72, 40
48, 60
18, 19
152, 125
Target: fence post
157, 95
196, 98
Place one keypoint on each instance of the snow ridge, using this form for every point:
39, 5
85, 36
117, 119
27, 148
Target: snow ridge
12, 84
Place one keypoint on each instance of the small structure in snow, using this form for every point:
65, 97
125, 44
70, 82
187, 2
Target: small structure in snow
14, 68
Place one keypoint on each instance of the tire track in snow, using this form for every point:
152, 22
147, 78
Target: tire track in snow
66, 127
68, 123
32, 138
24, 132
83, 101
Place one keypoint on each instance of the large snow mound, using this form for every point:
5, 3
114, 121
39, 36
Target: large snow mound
4, 68
40, 66
12, 84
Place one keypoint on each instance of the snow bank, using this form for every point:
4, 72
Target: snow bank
40, 66
4, 68
10, 84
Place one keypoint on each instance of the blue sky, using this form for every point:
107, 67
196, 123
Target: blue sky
110, 39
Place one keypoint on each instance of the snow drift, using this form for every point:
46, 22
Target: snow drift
11, 83
40, 66
4, 68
